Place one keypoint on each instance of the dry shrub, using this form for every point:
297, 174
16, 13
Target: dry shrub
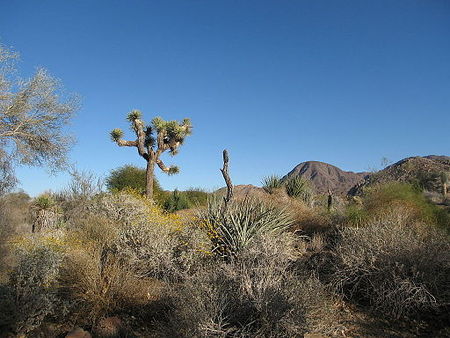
305, 218
256, 294
33, 287
93, 231
161, 252
101, 284
14, 219
395, 266
153, 244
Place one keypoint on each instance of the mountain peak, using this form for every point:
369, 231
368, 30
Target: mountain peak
324, 176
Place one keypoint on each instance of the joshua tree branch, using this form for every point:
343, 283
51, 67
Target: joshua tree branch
162, 166
138, 126
123, 143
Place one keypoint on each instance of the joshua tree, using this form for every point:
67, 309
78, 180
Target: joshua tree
152, 141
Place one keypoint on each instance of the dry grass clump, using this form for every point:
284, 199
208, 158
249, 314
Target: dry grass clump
256, 294
395, 266
305, 219
100, 284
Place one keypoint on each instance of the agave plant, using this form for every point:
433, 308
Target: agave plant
233, 228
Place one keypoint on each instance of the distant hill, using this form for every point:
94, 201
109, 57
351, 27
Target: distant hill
324, 176
242, 190
424, 171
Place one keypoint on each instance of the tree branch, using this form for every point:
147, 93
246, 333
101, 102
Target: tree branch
123, 143
138, 126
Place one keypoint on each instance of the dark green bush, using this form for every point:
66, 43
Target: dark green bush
196, 197
176, 201
132, 177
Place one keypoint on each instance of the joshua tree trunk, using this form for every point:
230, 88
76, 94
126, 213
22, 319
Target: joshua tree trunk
150, 174
444, 189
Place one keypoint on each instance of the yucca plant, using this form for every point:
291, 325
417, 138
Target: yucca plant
298, 187
234, 228
271, 183
46, 213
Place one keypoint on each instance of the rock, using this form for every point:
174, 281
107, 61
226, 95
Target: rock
78, 333
109, 327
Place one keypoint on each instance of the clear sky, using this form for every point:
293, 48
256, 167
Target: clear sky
275, 82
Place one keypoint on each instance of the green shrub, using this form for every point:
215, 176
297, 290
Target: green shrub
235, 227
298, 187
356, 215
196, 197
271, 183
131, 177
386, 196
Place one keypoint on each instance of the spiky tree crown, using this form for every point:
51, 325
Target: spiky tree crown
116, 134
134, 115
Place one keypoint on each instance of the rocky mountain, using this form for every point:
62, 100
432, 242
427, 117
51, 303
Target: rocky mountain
424, 171
324, 176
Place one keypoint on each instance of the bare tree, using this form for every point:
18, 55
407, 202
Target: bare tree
33, 114
226, 177
150, 145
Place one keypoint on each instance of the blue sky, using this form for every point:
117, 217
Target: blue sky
275, 82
